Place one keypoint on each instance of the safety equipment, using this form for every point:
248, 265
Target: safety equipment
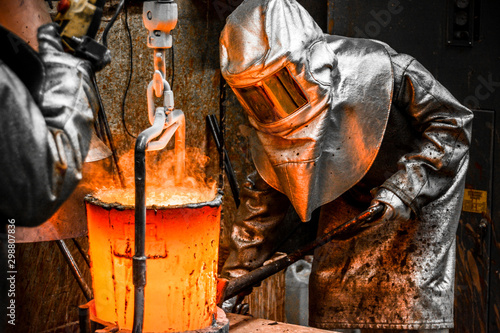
273, 98
399, 273
43, 145
312, 126
396, 209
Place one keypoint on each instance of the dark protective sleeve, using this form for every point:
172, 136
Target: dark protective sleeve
445, 128
256, 229
42, 147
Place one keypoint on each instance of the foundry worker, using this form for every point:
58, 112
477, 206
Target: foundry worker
342, 123
45, 127
47, 101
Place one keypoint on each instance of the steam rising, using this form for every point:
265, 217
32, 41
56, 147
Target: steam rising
161, 189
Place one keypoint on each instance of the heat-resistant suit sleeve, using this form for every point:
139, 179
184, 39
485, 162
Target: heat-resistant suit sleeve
43, 145
445, 133
256, 229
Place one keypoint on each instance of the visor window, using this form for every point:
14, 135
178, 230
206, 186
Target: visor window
258, 103
274, 98
288, 94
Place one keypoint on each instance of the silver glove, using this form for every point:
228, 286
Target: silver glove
395, 209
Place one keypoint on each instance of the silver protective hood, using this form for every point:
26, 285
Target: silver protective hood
325, 147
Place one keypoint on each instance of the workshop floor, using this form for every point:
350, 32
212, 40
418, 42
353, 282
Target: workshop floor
246, 324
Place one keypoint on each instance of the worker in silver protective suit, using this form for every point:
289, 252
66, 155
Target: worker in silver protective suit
47, 100
342, 123
44, 133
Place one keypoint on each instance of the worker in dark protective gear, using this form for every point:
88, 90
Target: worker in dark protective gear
47, 104
342, 123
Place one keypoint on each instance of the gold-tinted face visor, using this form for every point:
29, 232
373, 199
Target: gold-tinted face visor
273, 98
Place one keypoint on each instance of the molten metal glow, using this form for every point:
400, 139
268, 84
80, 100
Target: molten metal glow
181, 246
158, 196
161, 189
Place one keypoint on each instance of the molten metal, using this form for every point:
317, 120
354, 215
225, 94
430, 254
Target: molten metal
182, 248
158, 196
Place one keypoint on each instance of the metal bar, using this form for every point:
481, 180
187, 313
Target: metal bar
231, 176
222, 114
139, 259
108, 134
84, 318
228, 168
74, 269
344, 231
83, 253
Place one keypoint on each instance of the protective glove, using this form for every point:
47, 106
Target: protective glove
235, 305
68, 87
395, 208
68, 98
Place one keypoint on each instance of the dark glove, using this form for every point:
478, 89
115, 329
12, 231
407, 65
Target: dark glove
68, 99
235, 305
256, 229
390, 208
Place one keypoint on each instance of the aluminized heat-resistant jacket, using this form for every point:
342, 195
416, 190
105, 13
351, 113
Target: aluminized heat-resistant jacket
400, 273
44, 138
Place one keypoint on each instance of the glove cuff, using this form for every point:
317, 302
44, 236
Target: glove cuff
49, 39
395, 206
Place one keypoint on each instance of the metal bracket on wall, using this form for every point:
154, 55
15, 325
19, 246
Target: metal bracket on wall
463, 22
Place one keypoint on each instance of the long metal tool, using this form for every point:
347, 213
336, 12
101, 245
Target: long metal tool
139, 259
104, 123
159, 17
228, 168
74, 269
227, 289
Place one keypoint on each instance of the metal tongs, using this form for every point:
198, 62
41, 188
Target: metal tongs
227, 289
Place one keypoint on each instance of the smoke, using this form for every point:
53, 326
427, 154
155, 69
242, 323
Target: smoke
161, 188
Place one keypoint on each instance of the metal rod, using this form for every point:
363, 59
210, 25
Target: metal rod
74, 269
227, 166
222, 115
82, 252
84, 318
344, 231
139, 259
104, 119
